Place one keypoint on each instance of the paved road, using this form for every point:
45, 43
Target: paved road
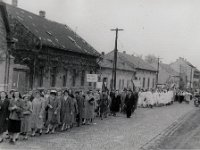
184, 135
113, 133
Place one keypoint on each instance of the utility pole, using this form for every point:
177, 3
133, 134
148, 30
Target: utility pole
158, 66
115, 59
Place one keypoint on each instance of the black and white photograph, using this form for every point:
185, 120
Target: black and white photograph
99, 75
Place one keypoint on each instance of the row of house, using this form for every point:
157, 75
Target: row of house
37, 52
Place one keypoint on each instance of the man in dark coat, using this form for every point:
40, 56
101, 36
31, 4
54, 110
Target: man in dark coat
115, 103
129, 103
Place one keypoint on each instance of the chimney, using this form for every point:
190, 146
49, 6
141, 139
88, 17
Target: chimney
42, 13
124, 52
102, 53
14, 3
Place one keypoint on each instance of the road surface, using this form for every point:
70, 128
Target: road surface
113, 133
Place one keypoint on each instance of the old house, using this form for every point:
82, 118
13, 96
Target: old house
47, 53
129, 68
124, 72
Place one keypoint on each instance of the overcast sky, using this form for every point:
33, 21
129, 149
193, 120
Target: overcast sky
166, 28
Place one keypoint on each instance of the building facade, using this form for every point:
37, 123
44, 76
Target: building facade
186, 72
124, 73
166, 75
129, 69
47, 54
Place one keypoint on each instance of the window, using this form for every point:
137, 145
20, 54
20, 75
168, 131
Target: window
82, 77
143, 83
119, 83
74, 77
122, 83
65, 78
53, 77
111, 83
128, 82
40, 77
153, 83
148, 84
90, 83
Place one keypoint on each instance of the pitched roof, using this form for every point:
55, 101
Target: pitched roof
137, 62
107, 62
165, 67
4, 15
51, 34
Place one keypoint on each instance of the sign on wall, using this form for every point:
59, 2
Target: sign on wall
92, 77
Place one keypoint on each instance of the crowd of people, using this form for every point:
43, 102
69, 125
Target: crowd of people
48, 111
154, 98
43, 112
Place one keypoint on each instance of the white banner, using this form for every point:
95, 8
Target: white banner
92, 77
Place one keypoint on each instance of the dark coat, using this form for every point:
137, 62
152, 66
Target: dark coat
129, 101
66, 110
103, 103
4, 115
115, 103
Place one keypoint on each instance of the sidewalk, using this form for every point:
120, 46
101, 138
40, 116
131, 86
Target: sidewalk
113, 133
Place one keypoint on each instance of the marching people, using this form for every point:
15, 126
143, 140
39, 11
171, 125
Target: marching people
59, 96
115, 103
26, 116
66, 111
80, 105
74, 110
4, 115
38, 108
53, 107
14, 124
103, 105
89, 107
129, 103
123, 96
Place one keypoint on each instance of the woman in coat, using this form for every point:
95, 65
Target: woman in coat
103, 104
89, 107
26, 116
53, 107
4, 114
66, 111
14, 124
38, 107
74, 110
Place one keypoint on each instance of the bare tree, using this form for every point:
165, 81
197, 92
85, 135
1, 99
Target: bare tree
151, 59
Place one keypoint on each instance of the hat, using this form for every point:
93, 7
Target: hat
54, 92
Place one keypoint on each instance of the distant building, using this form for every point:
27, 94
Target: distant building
186, 72
196, 80
47, 54
166, 75
128, 68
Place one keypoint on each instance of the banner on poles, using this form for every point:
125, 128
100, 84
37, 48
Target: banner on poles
92, 77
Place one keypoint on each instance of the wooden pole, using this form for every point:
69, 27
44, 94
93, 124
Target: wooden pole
114, 75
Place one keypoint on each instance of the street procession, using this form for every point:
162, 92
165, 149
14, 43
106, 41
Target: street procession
63, 86
40, 112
